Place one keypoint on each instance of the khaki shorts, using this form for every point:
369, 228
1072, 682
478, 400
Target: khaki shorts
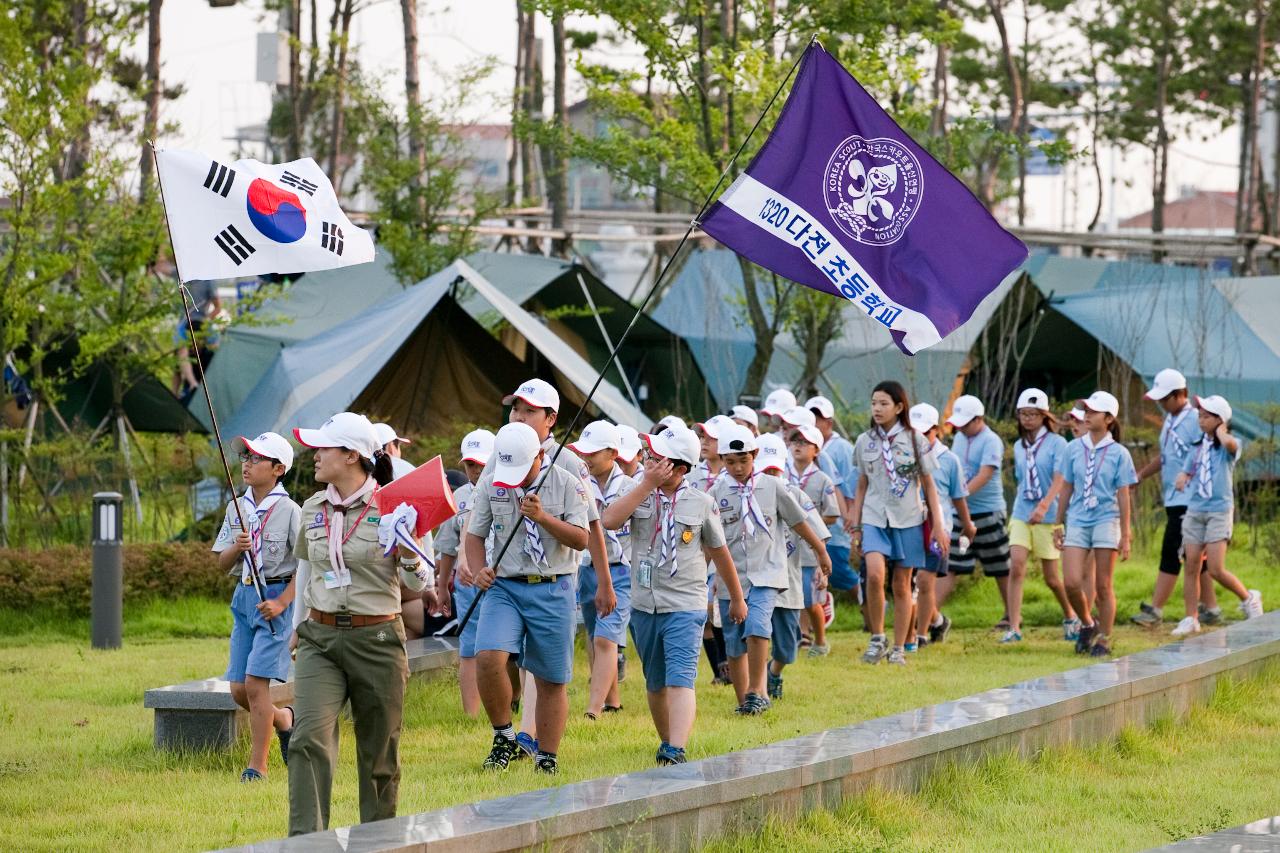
1201, 528
1036, 538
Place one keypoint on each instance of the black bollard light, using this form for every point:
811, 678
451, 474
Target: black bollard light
107, 622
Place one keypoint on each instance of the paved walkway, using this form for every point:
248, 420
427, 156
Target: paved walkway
1261, 836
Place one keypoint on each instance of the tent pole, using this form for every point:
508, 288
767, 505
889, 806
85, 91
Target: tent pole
128, 467
693, 223
595, 312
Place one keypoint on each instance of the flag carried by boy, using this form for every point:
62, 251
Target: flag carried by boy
245, 218
840, 199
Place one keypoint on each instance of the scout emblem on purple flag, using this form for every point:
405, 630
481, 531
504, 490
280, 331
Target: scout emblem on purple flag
850, 205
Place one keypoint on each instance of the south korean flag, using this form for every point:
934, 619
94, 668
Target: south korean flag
245, 218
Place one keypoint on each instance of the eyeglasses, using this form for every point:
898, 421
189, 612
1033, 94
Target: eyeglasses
254, 458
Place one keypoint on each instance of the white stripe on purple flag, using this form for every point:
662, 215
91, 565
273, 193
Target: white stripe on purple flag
854, 207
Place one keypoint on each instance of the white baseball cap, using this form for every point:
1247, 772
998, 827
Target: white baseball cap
1214, 405
821, 405
1076, 414
669, 422
1101, 401
477, 446
514, 448
811, 434
599, 435
778, 402
628, 443
273, 446
773, 453
964, 409
537, 393
738, 439
797, 416
678, 445
345, 429
746, 414
1033, 398
923, 417
387, 434
715, 425
1166, 382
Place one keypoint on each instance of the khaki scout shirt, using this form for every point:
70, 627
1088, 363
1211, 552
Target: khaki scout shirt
275, 557
761, 557
792, 598
682, 586
448, 539
821, 492
569, 461
496, 509
881, 507
375, 579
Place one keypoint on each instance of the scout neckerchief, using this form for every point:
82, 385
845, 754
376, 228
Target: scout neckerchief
339, 519
256, 518
752, 518
603, 499
1093, 456
1033, 491
1204, 466
532, 533
897, 483
1170, 432
667, 523
802, 481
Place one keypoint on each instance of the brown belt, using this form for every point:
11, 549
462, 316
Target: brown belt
349, 620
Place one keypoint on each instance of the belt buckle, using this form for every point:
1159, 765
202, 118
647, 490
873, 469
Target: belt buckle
342, 620
533, 578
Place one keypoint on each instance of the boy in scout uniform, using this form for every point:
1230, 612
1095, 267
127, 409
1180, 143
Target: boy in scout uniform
754, 510
673, 529
257, 654
529, 601
805, 443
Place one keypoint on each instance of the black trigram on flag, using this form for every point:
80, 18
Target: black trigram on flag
219, 179
331, 237
231, 241
289, 179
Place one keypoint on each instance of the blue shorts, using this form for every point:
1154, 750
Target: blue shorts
842, 574
533, 620
614, 626
462, 598
760, 604
809, 582
668, 645
1104, 534
901, 546
786, 634
253, 650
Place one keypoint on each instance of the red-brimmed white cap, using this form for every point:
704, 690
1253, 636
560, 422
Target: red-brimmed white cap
537, 393
799, 416
715, 425
678, 445
628, 443
1101, 401
923, 417
387, 434
599, 435
477, 446
1166, 382
345, 429
778, 402
746, 415
273, 446
515, 447
1076, 414
668, 422
811, 434
737, 439
821, 405
964, 409
773, 453
1215, 405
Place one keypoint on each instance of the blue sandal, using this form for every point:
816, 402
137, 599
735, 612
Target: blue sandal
251, 775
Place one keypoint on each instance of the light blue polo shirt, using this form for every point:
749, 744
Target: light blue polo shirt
949, 481
1115, 470
985, 448
1221, 467
1178, 436
836, 461
1048, 460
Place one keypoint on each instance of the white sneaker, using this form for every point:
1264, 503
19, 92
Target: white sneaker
1188, 626
1252, 605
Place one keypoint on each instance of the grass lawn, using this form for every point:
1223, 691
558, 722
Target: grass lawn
78, 771
1145, 789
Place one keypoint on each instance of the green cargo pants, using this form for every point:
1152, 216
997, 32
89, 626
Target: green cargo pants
369, 666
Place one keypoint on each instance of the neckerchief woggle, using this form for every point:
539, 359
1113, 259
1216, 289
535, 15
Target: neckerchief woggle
256, 518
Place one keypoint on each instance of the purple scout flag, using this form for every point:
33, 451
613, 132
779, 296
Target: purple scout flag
839, 198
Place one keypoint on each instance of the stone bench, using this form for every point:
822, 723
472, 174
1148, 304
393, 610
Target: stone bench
202, 715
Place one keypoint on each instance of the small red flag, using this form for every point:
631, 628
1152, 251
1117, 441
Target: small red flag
426, 490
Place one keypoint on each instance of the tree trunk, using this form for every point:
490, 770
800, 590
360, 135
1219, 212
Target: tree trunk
339, 107
517, 94
991, 179
729, 39
704, 91
557, 188
758, 369
938, 114
151, 124
1022, 127
1095, 157
1160, 153
295, 76
413, 97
